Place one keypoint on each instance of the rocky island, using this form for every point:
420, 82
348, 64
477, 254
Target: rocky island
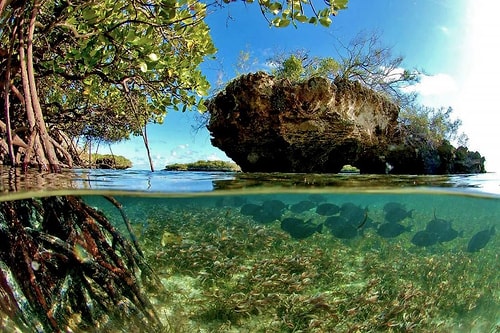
266, 124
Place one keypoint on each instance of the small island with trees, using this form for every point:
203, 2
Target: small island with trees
222, 166
315, 115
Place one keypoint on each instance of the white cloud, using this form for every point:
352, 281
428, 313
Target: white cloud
477, 101
437, 84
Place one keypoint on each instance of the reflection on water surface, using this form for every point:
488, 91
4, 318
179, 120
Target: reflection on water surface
12, 180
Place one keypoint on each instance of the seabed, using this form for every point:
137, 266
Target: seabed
223, 272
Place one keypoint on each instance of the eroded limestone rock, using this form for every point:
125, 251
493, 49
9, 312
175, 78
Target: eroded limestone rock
273, 125
265, 124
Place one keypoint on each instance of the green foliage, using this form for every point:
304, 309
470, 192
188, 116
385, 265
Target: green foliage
203, 166
281, 13
299, 66
111, 161
114, 66
292, 68
366, 60
245, 62
105, 69
434, 125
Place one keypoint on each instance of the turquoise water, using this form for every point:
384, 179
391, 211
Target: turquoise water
306, 253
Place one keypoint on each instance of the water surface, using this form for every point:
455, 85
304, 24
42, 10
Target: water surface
227, 263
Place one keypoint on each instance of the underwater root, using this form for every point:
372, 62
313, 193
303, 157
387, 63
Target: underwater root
65, 267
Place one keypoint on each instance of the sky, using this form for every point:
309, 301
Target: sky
455, 43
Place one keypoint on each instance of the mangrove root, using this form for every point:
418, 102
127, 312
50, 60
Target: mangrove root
65, 267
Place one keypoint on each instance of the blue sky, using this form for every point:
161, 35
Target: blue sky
455, 42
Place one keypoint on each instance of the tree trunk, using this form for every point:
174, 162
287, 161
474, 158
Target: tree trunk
146, 144
48, 148
40, 147
33, 147
144, 133
8, 129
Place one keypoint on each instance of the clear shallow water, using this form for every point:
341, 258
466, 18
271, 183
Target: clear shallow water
12, 180
227, 268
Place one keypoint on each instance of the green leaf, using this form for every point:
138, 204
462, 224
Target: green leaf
325, 21
281, 23
153, 57
324, 13
144, 67
90, 15
301, 17
339, 4
275, 7
87, 81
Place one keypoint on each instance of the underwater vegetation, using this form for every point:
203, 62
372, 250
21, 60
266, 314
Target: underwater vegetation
224, 270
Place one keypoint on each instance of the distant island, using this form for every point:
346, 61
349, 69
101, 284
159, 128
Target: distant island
105, 161
204, 166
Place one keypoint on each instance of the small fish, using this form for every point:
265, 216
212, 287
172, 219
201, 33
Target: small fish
249, 209
397, 215
480, 239
317, 198
392, 206
327, 209
353, 213
265, 213
170, 238
333, 220
425, 238
266, 216
273, 205
341, 228
302, 206
300, 229
438, 226
443, 229
347, 231
362, 224
391, 230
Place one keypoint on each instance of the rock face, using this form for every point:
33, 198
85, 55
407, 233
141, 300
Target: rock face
272, 125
